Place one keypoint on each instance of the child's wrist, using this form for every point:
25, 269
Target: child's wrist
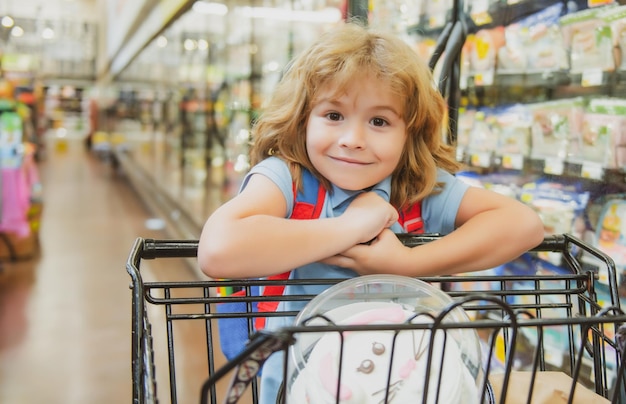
349, 229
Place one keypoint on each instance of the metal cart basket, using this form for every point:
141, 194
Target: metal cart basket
531, 326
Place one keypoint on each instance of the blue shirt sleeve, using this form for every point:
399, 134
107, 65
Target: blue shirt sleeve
277, 171
439, 210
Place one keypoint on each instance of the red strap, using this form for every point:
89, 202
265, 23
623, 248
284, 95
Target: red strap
301, 210
273, 290
321, 193
305, 210
411, 219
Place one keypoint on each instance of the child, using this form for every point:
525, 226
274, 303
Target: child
360, 111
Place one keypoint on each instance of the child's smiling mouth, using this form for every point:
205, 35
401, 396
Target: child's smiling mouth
347, 160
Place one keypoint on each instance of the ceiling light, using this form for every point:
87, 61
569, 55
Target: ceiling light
161, 41
189, 44
17, 31
7, 21
327, 15
47, 33
203, 7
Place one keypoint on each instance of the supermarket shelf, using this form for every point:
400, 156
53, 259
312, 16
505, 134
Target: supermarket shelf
178, 223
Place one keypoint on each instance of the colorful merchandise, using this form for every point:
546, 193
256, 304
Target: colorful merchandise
483, 141
588, 40
467, 117
604, 132
436, 13
487, 132
610, 235
15, 190
15, 194
511, 125
558, 204
11, 139
556, 128
482, 49
560, 207
534, 43
615, 18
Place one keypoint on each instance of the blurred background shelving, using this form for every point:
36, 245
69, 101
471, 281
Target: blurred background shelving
164, 93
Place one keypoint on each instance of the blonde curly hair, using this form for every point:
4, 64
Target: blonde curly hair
340, 56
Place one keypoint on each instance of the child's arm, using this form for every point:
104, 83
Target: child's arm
249, 235
492, 229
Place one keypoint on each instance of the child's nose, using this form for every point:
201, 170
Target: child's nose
353, 137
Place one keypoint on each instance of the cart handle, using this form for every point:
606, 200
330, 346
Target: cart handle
563, 243
151, 248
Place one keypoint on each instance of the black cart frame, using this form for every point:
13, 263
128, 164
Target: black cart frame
592, 355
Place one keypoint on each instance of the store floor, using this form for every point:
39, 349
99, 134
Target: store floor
65, 314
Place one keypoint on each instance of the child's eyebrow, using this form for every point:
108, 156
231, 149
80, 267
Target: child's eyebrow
330, 100
337, 102
388, 108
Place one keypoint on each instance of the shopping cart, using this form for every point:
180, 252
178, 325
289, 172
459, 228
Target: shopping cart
533, 327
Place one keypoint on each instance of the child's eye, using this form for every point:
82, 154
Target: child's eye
379, 122
333, 116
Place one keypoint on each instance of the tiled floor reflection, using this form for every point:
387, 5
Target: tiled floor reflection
65, 314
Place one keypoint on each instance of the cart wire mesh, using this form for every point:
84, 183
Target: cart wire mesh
530, 326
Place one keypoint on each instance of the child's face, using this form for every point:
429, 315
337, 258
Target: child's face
355, 140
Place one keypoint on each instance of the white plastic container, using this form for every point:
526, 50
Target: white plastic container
372, 360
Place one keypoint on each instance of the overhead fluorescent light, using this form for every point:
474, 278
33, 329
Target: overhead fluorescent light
161, 41
327, 15
47, 33
7, 21
17, 31
204, 7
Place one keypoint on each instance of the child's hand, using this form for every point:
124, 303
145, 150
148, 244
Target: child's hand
370, 214
378, 257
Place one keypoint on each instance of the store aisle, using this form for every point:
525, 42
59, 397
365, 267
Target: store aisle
65, 315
